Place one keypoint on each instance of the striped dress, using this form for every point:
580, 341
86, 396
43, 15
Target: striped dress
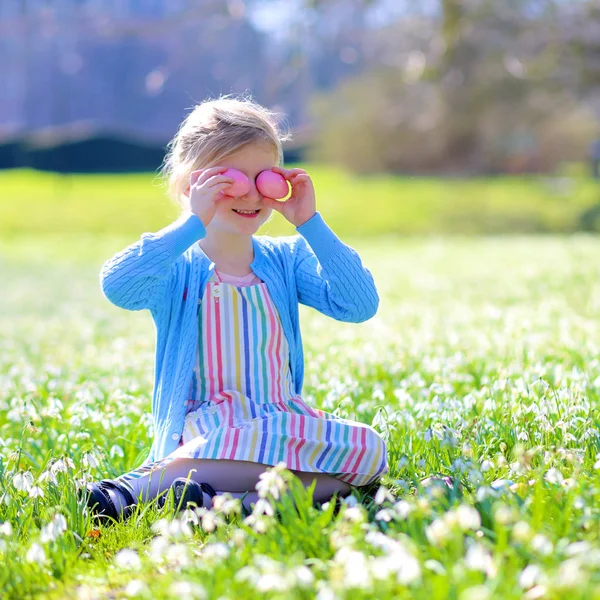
242, 405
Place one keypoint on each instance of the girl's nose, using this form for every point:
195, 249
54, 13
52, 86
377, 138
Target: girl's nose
253, 194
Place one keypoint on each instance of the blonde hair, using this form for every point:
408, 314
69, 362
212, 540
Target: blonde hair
213, 130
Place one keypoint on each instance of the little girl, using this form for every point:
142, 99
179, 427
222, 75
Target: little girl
227, 399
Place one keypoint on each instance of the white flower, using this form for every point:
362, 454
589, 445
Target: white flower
272, 582
61, 465
522, 532
54, 529
6, 529
435, 566
304, 576
187, 589
479, 592
530, 575
48, 475
90, 460
554, 476
216, 550
23, 481
479, 559
570, 574
402, 509
542, 545
36, 554
468, 517
325, 592
116, 451
382, 495
438, 532
263, 507
135, 587
271, 483
128, 559
355, 565
36, 492
486, 465
355, 514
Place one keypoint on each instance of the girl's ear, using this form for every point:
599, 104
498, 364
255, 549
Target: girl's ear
186, 192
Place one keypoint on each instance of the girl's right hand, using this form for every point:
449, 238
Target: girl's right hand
206, 189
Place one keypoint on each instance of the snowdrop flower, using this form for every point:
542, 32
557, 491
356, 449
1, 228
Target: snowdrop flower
479, 592
158, 549
438, 532
486, 465
216, 550
209, 523
542, 545
304, 576
135, 588
570, 574
435, 566
116, 451
178, 555
553, 476
530, 576
402, 509
48, 475
89, 460
36, 554
6, 529
128, 559
53, 530
267, 582
325, 592
36, 492
382, 495
522, 532
226, 504
258, 523
23, 481
356, 571
467, 517
355, 514
271, 483
187, 589
479, 559
385, 514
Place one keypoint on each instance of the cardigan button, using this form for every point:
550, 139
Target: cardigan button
175, 436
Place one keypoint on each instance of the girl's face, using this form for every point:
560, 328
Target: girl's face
250, 160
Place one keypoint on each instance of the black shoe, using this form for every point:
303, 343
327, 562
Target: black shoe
100, 503
186, 491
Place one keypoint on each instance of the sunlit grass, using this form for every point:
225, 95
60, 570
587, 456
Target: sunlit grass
34, 202
482, 363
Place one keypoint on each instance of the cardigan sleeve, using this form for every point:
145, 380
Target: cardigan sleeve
138, 277
330, 276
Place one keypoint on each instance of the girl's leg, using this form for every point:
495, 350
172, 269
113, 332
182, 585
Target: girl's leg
223, 475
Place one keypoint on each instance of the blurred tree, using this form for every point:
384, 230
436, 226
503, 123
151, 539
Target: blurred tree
473, 87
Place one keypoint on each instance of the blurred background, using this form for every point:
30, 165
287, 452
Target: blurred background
430, 117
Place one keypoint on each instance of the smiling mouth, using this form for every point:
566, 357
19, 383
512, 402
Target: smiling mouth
248, 213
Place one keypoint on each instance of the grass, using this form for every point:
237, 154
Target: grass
481, 363
38, 203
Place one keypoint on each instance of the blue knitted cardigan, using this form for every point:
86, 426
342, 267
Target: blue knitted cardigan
164, 273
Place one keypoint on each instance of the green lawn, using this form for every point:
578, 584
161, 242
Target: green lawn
482, 363
34, 202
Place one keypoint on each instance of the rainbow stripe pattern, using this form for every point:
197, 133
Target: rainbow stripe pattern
242, 405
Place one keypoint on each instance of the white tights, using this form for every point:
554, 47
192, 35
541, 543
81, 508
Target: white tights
236, 477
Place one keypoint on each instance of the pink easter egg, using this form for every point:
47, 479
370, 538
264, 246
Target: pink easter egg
240, 185
272, 185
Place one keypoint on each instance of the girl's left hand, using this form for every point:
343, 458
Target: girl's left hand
302, 203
